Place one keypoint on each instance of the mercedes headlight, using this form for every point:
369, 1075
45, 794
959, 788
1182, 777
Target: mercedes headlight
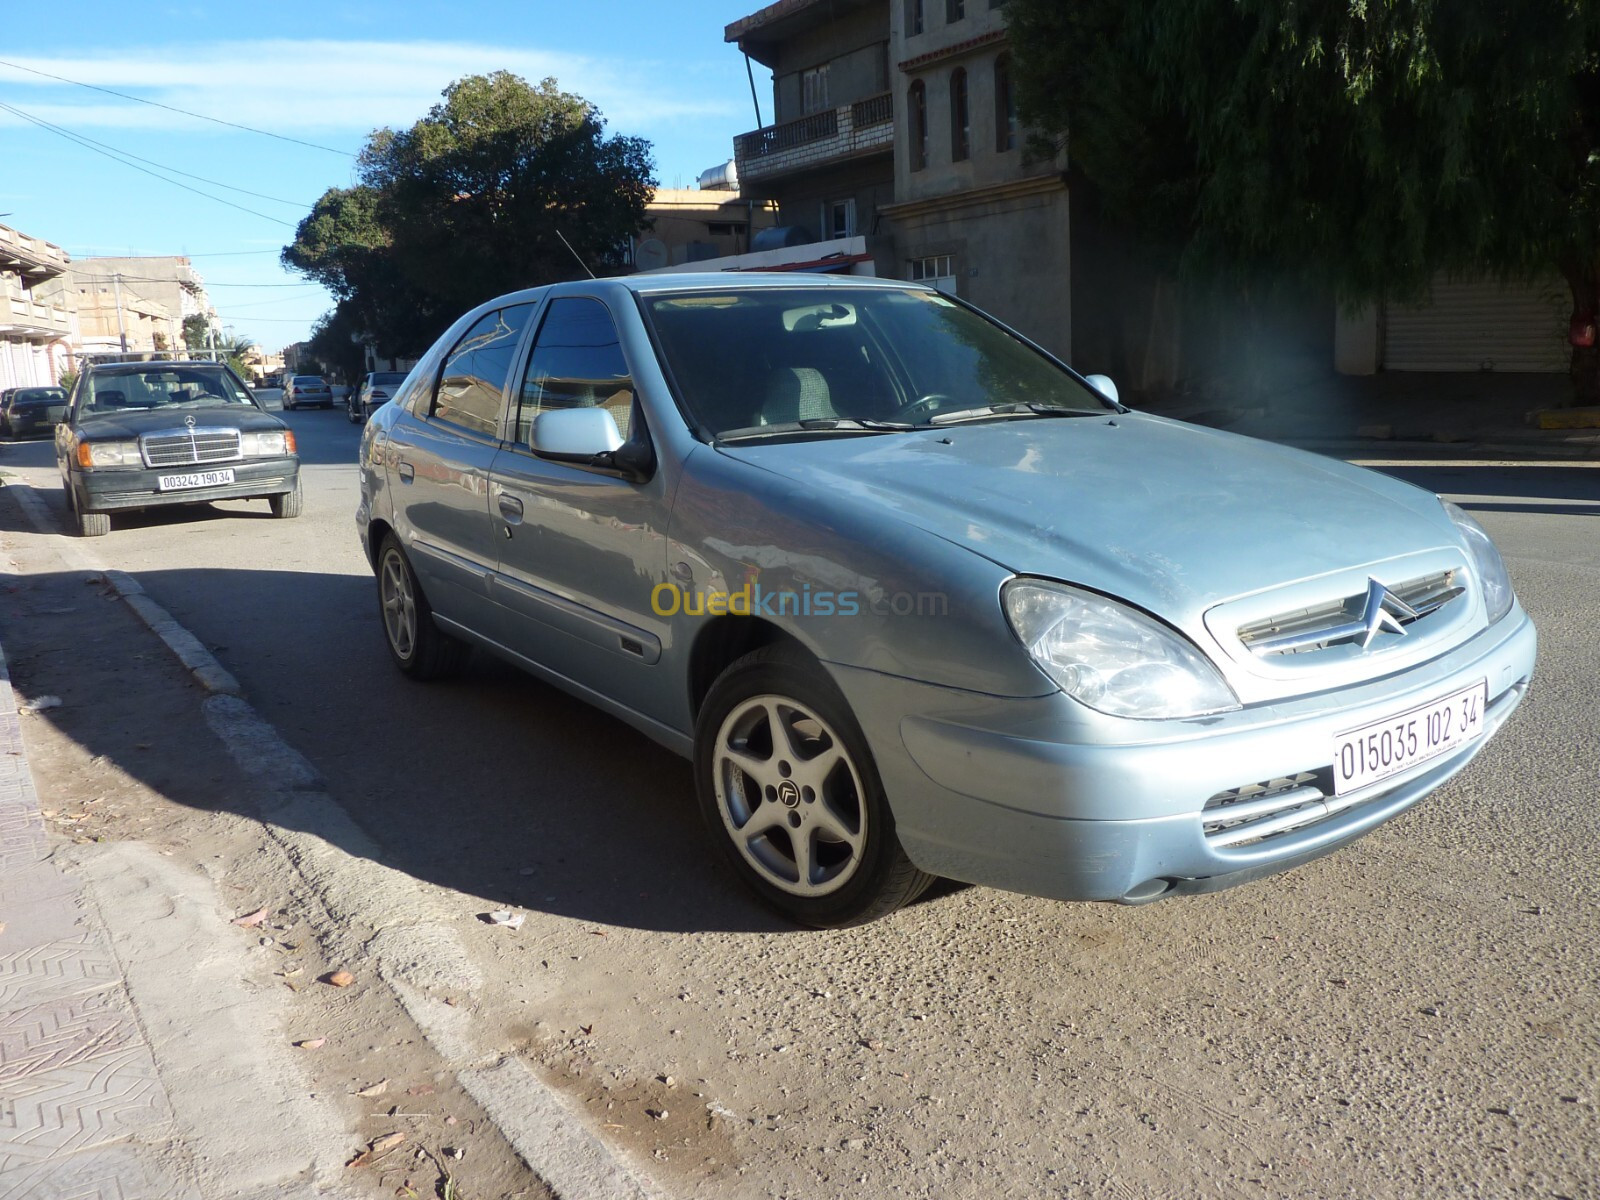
109, 454
1487, 564
268, 443
1112, 657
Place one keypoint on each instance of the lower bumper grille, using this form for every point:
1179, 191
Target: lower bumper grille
1260, 810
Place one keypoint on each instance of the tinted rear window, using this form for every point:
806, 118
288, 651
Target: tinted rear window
32, 396
388, 378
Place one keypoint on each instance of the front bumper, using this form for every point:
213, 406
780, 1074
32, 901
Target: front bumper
1027, 795
112, 488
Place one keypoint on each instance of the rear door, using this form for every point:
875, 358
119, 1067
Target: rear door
439, 454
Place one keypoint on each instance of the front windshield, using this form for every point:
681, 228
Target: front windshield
160, 385
766, 359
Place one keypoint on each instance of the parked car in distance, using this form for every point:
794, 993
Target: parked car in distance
25, 411
306, 391
148, 434
918, 600
376, 388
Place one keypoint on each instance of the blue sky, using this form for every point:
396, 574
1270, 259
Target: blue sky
326, 73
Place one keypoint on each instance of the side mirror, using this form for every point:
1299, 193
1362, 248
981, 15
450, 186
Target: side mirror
1103, 385
588, 438
575, 434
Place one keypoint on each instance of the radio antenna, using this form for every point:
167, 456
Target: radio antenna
574, 253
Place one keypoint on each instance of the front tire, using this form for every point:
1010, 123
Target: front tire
416, 644
789, 791
287, 504
93, 524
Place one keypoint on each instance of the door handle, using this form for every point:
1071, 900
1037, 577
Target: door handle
510, 509
407, 472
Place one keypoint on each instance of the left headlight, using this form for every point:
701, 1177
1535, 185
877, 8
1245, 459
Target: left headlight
269, 443
1490, 567
108, 454
1111, 657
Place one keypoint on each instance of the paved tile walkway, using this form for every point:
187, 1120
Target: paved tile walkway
83, 1113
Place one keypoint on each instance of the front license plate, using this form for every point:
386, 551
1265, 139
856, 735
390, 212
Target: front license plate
196, 479
1387, 747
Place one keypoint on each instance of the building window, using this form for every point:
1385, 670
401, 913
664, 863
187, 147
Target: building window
814, 89
839, 219
917, 103
913, 17
954, 10
960, 124
936, 269
1005, 105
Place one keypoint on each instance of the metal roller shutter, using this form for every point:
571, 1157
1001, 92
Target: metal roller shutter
1480, 325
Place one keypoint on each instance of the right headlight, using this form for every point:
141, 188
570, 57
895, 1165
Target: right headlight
1111, 657
1489, 566
109, 454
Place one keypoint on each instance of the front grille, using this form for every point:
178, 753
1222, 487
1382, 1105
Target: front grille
1343, 621
187, 447
1259, 810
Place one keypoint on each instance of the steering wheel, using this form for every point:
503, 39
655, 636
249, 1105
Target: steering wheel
925, 405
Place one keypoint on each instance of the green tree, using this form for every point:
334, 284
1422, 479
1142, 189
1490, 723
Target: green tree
196, 332
471, 202
1362, 144
336, 343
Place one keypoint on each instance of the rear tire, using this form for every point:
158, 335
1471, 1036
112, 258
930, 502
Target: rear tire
288, 504
789, 791
419, 648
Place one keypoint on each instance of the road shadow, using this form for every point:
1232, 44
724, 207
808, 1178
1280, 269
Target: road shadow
493, 785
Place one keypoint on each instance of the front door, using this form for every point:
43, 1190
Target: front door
579, 551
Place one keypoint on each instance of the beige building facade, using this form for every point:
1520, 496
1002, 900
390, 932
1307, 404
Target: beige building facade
36, 322
691, 225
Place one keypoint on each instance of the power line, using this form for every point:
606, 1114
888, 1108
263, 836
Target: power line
157, 104
87, 146
37, 120
169, 279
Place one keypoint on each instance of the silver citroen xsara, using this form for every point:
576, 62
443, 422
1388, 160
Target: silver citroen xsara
918, 600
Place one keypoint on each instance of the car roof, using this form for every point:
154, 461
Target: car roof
128, 368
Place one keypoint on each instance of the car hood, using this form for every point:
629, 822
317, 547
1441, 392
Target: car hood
128, 425
1171, 517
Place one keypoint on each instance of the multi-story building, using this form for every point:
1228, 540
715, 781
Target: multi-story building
35, 320
828, 158
896, 119
117, 317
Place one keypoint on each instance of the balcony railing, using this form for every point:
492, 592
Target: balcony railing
25, 317
865, 127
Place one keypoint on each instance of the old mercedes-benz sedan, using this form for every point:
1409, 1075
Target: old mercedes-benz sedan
918, 600
147, 434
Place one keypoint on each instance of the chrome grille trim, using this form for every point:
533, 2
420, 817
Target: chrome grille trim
190, 447
1340, 621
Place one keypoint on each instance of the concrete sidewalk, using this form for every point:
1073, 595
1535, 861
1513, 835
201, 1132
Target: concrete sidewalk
83, 1112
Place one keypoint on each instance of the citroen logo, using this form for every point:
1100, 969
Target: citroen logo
1383, 610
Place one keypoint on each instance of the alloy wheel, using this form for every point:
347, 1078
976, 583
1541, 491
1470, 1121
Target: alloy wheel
790, 797
399, 605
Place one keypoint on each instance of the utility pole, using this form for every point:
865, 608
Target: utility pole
122, 332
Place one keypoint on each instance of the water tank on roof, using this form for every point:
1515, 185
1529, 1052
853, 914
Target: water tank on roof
720, 179
781, 237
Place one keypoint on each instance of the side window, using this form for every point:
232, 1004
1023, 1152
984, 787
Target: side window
476, 369
576, 363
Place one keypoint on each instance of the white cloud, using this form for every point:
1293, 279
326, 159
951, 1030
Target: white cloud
302, 88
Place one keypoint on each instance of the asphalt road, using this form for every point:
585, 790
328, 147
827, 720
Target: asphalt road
1418, 1015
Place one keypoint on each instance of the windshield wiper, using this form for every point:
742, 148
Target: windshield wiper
816, 425
1011, 409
